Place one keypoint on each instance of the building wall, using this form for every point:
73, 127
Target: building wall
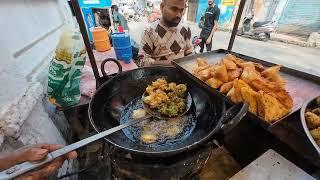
30, 30
263, 10
192, 10
301, 17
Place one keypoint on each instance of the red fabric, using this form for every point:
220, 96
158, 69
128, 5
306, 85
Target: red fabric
120, 28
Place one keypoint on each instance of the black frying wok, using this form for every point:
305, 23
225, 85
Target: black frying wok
110, 98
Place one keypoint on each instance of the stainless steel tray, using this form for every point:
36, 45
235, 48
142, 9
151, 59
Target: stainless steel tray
300, 85
306, 105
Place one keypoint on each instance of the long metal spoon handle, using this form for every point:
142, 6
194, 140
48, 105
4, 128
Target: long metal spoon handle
22, 168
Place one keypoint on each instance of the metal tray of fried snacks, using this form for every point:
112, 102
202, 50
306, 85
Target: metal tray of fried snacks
299, 85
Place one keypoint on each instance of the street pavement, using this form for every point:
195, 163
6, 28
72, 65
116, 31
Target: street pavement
301, 58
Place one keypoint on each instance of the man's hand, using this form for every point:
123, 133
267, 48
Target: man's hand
215, 28
208, 41
35, 153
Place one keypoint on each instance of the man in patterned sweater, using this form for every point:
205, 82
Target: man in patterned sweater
166, 39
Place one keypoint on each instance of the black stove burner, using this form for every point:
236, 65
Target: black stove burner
181, 166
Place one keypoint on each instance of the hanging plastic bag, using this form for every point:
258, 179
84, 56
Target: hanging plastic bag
65, 69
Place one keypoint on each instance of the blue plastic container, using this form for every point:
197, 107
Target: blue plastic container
122, 46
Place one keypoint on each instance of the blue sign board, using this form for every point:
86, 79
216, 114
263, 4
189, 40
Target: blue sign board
225, 11
95, 3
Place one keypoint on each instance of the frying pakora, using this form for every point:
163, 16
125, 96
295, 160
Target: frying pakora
148, 137
315, 133
139, 113
168, 98
312, 120
312, 117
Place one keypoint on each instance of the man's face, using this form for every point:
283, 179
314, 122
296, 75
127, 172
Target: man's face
210, 2
172, 11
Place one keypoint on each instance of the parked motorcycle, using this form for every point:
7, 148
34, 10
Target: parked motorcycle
256, 30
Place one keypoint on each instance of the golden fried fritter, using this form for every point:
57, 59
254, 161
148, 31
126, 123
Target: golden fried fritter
229, 64
247, 64
233, 58
271, 70
231, 95
226, 87
259, 67
167, 98
273, 75
150, 89
274, 90
204, 74
172, 131
202, 62
215, 83
313, 120
238, 85
249, 74
220, 72
197, 69
242, 80
160, 84
250, 96
156, 99
234, 74
148, 137
172, 86
316, 111
269, 108
315, 133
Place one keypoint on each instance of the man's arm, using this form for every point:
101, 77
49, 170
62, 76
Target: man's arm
35, 153
215, 27
146, 49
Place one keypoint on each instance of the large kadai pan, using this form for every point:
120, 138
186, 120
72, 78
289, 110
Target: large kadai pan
210, 112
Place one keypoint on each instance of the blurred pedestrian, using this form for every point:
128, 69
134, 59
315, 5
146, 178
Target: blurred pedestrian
210, 25
118, 18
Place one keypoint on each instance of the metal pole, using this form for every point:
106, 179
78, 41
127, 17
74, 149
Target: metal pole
85, 37
236, 24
